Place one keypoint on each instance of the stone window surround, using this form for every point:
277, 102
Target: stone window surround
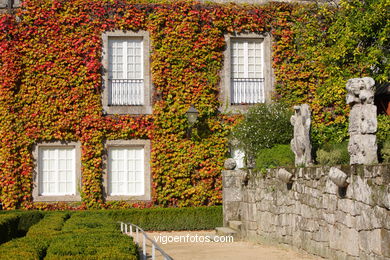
134, 110
225, 90
145, 143
60, 144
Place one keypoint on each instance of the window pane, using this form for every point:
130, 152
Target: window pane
129, 170
56, 171
247, 82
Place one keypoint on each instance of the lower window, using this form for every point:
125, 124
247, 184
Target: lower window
57, 171
126, 173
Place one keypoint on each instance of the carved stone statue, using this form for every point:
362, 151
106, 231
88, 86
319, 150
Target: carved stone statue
300, 144
362, 145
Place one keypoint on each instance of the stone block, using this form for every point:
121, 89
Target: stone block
363, 149
362, 191
329, 202
347, 206
375, 241
350, 241
331, 188
322, 235
232, 194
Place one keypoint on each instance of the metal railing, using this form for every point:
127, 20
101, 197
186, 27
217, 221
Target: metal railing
130, 229
247, 90
126, 91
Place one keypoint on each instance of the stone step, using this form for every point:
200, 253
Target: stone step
226, 231
235, 224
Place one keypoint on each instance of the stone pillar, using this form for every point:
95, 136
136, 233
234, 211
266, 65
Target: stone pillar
362, 145
232, 181
300, 144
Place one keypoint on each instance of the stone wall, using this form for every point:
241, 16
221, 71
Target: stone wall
312, 212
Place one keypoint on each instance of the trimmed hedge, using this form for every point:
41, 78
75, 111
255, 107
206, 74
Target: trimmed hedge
199, 218
37, 239
83, 236
8, 227
17, 224
86, 236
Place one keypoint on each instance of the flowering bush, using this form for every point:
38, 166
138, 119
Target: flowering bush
264, 126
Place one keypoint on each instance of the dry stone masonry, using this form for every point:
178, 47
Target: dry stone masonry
362, 145
300, 144
337, 213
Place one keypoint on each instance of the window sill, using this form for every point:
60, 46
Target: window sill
128, 110
46, 198
237, 109
128, 197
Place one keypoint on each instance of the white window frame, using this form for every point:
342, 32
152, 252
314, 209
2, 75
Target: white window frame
127, 191
226, 76
245, 88
38, 194
135, 143
121, 107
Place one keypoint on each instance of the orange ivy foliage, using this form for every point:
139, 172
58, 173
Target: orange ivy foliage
51, 81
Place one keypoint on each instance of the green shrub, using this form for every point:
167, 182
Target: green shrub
191, 218
113, 245
8, 226
37, 239
16, 224
91, 236
264, 126
50, 225
279, 155
27, 220
333, 154
383, 132
385, 152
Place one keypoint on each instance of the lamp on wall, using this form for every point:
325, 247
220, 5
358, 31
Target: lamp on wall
192, 115
192, 118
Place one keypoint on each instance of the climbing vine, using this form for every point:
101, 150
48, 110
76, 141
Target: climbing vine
51, 86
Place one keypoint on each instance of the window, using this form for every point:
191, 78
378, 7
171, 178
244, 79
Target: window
126, 171
247, 82
125, 73
127, 174
127, 87
57, 172
247, 74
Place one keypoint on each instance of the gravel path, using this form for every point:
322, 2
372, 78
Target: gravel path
187, 250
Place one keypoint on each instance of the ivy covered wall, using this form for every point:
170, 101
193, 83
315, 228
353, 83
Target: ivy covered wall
51, 85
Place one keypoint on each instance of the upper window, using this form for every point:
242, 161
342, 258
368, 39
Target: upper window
125, 75
247, 74
247, 81
57, 172
127, 87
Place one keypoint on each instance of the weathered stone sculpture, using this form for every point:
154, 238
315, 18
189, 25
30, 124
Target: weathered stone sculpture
362, 145
284, 175
300, 144
338, 177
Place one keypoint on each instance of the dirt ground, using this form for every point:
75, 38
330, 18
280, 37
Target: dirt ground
187, 250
